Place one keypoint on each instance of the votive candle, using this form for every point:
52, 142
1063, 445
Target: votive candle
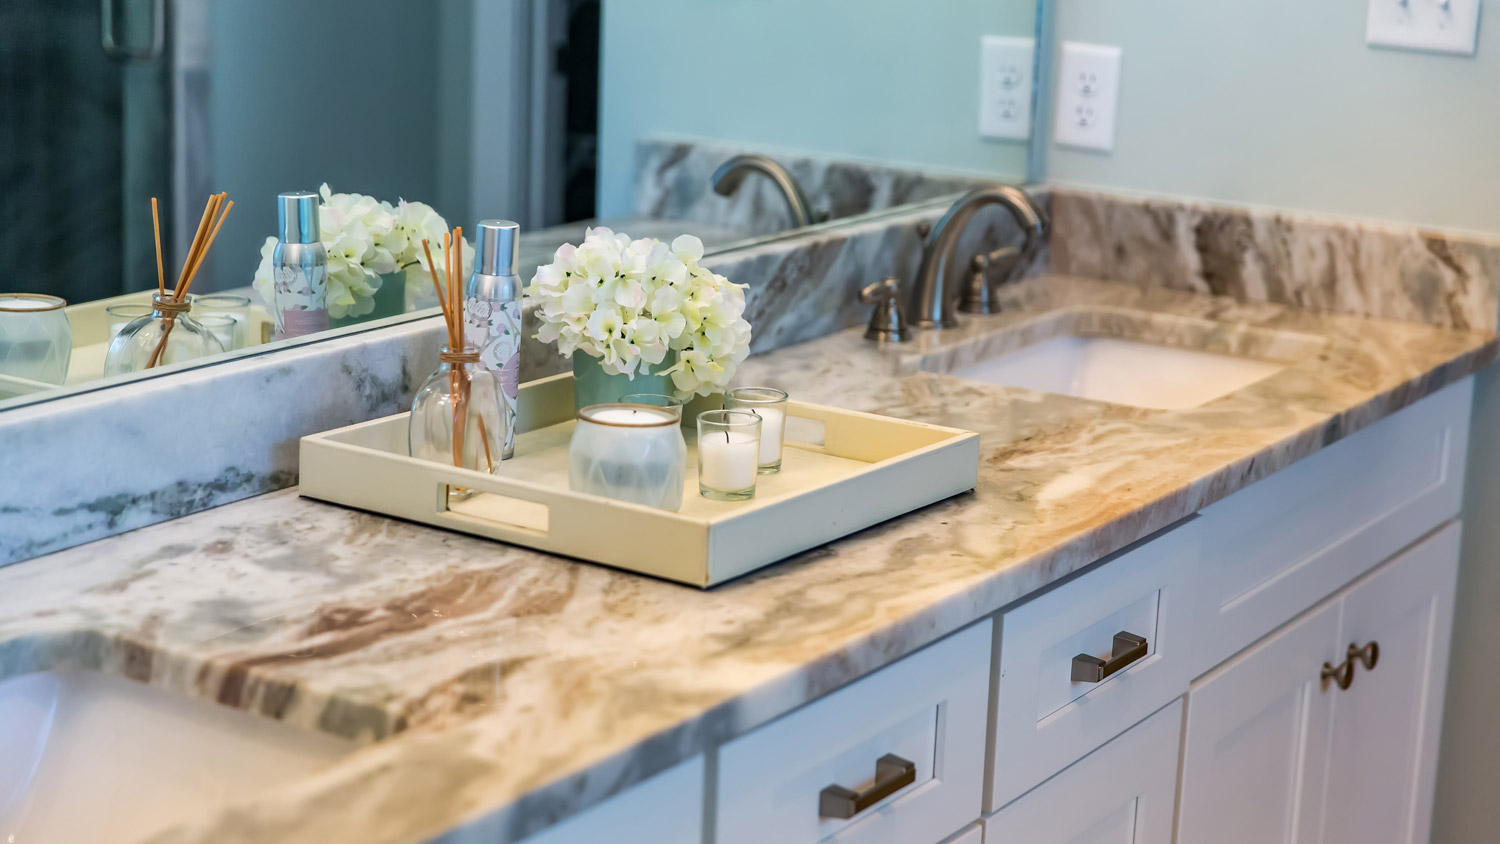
728, 454
770, 405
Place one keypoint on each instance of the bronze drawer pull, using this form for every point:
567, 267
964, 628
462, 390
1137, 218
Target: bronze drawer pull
1343, 674
892, 773
1091, 669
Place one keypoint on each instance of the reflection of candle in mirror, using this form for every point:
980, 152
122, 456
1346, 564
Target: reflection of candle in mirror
728, 460
772, 419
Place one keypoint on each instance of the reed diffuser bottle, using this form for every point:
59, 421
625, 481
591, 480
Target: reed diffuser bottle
170, 334
458, 416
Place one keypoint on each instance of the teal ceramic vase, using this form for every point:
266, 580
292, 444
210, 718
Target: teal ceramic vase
592, 385
390, 300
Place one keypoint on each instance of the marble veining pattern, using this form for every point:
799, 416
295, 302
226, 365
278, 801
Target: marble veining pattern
673, 181
512, 688
112, 460
1327, 264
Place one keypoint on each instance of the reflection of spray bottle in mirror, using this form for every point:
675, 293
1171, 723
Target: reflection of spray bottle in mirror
299, 267
492, 313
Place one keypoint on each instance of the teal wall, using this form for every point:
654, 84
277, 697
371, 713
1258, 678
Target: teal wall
1280, 102
893, 80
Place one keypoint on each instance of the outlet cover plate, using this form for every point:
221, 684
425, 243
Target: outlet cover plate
1005, 72
1088, 92
1443, 26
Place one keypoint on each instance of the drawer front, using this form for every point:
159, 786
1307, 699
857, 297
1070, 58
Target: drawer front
666, 809
1122, 793
1286, 542
974, 834
1045, 719
790, 780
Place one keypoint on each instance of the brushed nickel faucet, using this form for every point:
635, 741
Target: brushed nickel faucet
726, 180
933, 299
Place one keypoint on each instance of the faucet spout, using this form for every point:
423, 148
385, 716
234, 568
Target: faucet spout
726, 180
933, 304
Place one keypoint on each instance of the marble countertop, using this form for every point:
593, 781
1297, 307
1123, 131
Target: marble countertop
510, 688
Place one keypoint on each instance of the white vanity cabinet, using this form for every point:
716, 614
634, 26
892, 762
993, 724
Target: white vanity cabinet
1203, 715
1275, 753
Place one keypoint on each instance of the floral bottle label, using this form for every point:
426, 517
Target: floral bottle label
301, 300
494, 328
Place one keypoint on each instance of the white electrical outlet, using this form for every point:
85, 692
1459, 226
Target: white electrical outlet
1088, 91
1005, 68
1445, 26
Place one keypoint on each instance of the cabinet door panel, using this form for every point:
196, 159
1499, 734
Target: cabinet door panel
1255, 749
1287, 541
1386, 724
1121, 793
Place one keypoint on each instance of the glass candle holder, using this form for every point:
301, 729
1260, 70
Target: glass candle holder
36, 340
770, 405
728, 454
629, 452
665, 402
116, 317
169, 335
456, 417
224, 329
235, 307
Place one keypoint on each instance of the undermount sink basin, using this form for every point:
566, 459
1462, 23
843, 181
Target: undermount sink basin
88, 757
1123, 357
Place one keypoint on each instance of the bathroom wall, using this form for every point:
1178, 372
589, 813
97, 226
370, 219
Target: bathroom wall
889, 80
1281, 103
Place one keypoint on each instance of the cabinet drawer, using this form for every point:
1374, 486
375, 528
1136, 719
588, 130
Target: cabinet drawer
1044, 718
1286, 542
666, 809
1122, 793
927, 710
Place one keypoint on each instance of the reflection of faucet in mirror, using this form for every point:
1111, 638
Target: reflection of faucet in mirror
726, 180
933, 303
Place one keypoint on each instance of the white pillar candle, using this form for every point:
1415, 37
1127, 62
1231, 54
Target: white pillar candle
632, 454
728, 460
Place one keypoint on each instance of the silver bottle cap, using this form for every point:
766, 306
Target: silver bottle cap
495, 247
297, 217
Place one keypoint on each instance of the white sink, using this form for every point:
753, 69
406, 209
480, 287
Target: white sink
93, 758
1090, 354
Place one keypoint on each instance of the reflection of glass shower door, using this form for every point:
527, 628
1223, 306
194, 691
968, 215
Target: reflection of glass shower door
85, 142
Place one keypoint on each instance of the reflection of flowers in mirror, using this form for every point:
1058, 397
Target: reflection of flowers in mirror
631, 303
366, 239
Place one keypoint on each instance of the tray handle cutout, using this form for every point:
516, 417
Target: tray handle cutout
504, 512
803, 430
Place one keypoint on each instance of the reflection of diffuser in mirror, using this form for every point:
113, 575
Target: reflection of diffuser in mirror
457, 415
169, 334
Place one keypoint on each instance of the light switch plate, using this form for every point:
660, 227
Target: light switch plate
1088, 93
1445, 26
1005, 71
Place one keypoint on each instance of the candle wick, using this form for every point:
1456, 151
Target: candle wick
726, 438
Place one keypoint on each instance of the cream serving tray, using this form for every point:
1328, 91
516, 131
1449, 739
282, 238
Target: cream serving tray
842, 471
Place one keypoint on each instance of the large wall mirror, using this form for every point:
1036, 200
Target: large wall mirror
425, 114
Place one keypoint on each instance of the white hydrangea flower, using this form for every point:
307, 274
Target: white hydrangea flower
631, 303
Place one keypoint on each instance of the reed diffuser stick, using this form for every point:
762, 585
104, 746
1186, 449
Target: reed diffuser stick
161, 282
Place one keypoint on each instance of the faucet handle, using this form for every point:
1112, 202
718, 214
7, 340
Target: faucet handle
978, 296
888, 321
